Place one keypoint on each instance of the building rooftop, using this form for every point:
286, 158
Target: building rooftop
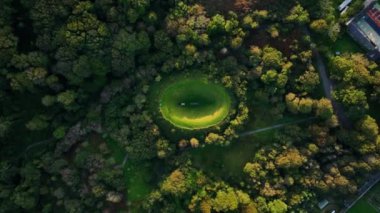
344, 5
367, 26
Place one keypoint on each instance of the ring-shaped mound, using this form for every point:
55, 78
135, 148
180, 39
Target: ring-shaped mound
194, 103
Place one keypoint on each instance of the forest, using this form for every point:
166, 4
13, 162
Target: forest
184, 106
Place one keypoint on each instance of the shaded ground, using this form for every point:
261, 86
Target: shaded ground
137, 175
16, 140
218, 6
346, 44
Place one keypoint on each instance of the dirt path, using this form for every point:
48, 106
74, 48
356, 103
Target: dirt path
276, 126
218, 6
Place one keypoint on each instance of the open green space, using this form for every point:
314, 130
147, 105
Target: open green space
228, 162
369, 203
118, 152
194, 103
345, 44
137, 174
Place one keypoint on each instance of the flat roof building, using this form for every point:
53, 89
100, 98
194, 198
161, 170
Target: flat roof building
344, 5
365, 29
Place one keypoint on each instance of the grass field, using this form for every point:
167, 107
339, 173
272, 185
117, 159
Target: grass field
346, 44
194, 103
136, 174
228, 162
369, 203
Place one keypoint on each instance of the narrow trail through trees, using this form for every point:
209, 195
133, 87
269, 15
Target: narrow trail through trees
36, 144
328, 86
276, 126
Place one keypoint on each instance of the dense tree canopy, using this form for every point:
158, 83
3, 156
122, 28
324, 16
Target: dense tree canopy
81, 128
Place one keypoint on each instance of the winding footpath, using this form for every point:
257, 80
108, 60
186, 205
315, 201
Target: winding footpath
327, 84
276, 126
36, 144
328, 89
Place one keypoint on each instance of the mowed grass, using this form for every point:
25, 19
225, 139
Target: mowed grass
346, 44
343, 45
364, 205
137, 174
228, 162
194, 103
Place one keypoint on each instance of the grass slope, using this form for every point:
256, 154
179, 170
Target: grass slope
194, 103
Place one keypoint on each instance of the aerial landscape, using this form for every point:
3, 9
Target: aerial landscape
252, 106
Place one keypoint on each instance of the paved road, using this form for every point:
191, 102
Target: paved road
277, 126
363, 190
328, 86
321, 67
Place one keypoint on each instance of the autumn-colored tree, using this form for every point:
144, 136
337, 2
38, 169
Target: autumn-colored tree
319, 25
243, 5
225, 201
175, 183
272, 57
292, 102
324, 108
290, 158
277, 206
369, 127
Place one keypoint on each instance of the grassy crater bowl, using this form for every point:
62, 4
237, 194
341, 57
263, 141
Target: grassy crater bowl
194, 103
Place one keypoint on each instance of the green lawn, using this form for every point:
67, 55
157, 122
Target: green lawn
118, 152
364, 205
137, 174
374, 110
346, 44
194, 103
228, 162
